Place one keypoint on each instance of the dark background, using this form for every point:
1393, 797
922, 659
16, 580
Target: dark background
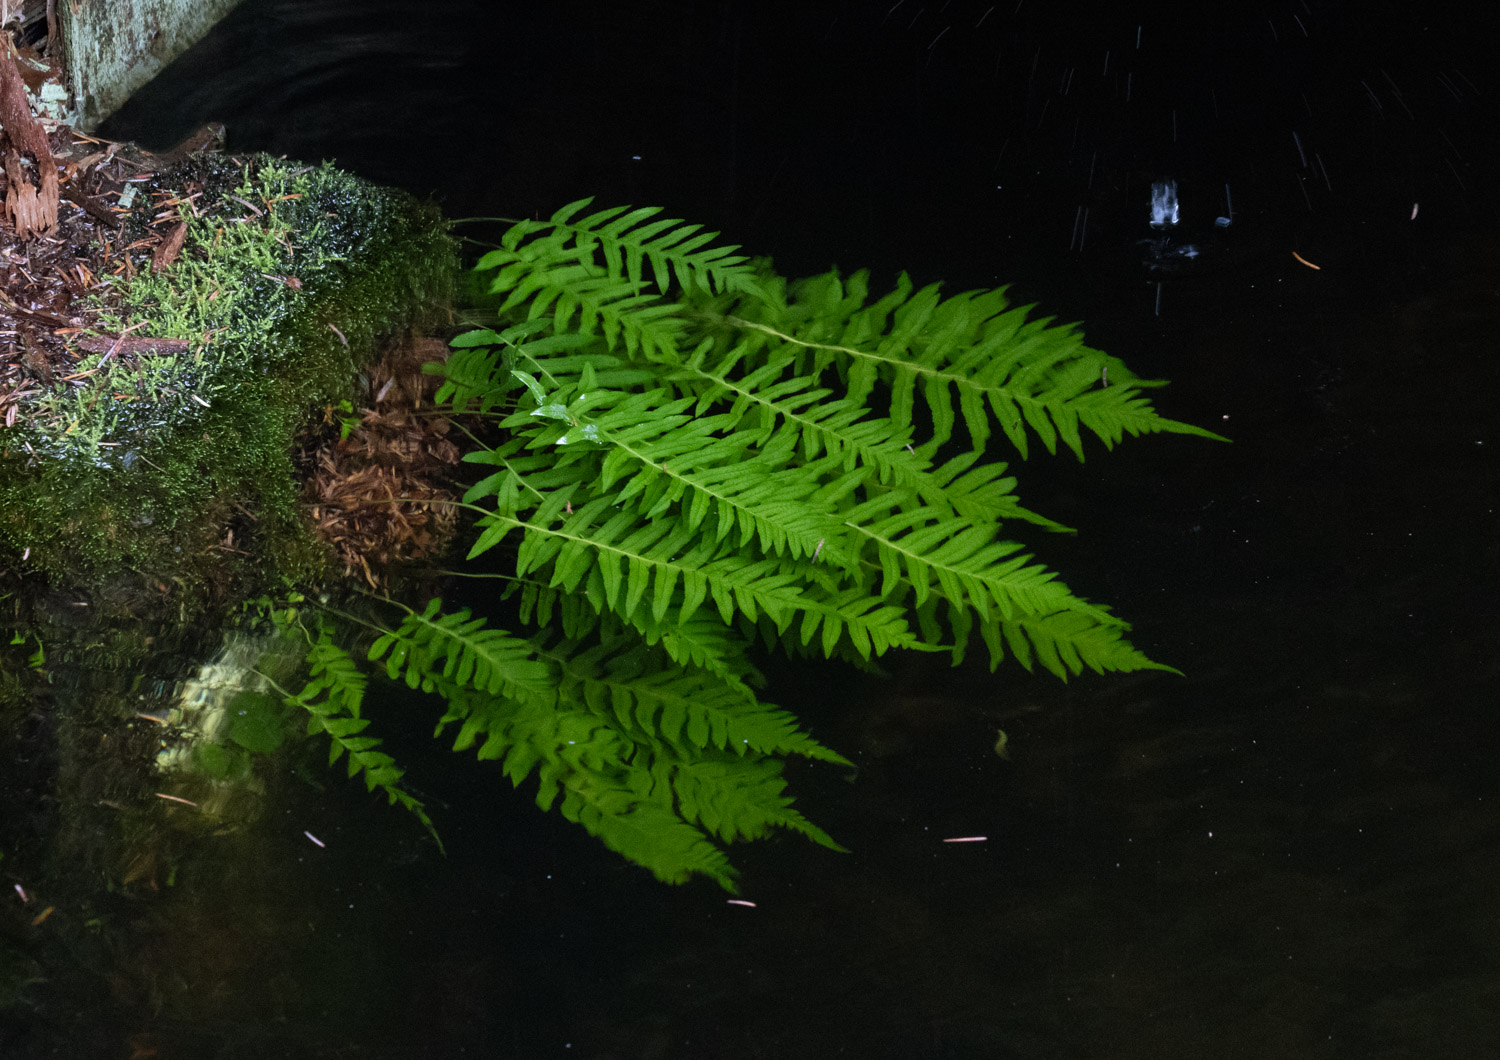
1290, 851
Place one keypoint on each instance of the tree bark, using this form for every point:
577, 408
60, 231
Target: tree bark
31, 207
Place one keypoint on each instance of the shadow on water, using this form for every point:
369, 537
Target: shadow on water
1288, 852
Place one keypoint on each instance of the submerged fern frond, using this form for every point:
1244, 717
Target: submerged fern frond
735, 798
333, 697
618, 714
691, 710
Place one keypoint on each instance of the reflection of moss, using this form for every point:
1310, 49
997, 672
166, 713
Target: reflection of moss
287, 278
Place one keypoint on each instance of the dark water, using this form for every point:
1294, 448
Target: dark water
1292, 851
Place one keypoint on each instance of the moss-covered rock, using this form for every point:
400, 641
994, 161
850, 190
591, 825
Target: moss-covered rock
145, 453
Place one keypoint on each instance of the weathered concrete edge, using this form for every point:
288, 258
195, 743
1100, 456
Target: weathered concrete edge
113, 47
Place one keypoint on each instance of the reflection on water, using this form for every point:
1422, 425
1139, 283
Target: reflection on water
137, 850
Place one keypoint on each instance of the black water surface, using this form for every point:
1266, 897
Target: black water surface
1291, 851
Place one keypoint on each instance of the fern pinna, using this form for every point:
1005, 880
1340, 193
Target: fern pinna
693, 455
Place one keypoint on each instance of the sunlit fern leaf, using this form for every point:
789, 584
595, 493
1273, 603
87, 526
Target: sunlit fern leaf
597, 550
868, 624
1067, 641
673, 249
765, 402
592, 270
645, 325
965, 355
767, 398
979, 494
460, 649
651, 457
934, 551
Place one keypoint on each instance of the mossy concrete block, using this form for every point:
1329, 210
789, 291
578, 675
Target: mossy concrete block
113, 48
287, 278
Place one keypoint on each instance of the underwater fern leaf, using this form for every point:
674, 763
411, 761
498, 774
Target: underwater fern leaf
333, 697
734, 798
690, 709
647, 833
581, 757
603, 762
702, 641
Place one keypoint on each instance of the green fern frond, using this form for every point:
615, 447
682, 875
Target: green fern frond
690, 709
673, 249
332, 697
597, 751
735, 798
701, 641
869, 625
1066, 641
648, 834
618, 563
695, 455
554, 267
970, 349
936, 552
765, 400
459, 649
651, 456
487, 367
583, 758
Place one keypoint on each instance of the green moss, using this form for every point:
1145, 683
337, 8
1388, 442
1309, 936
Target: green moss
288, 277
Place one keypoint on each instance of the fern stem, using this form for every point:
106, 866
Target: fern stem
783, 336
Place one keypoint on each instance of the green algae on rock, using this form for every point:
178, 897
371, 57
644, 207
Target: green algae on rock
269, 286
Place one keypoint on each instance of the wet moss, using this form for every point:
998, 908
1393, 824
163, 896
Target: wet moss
288, 277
